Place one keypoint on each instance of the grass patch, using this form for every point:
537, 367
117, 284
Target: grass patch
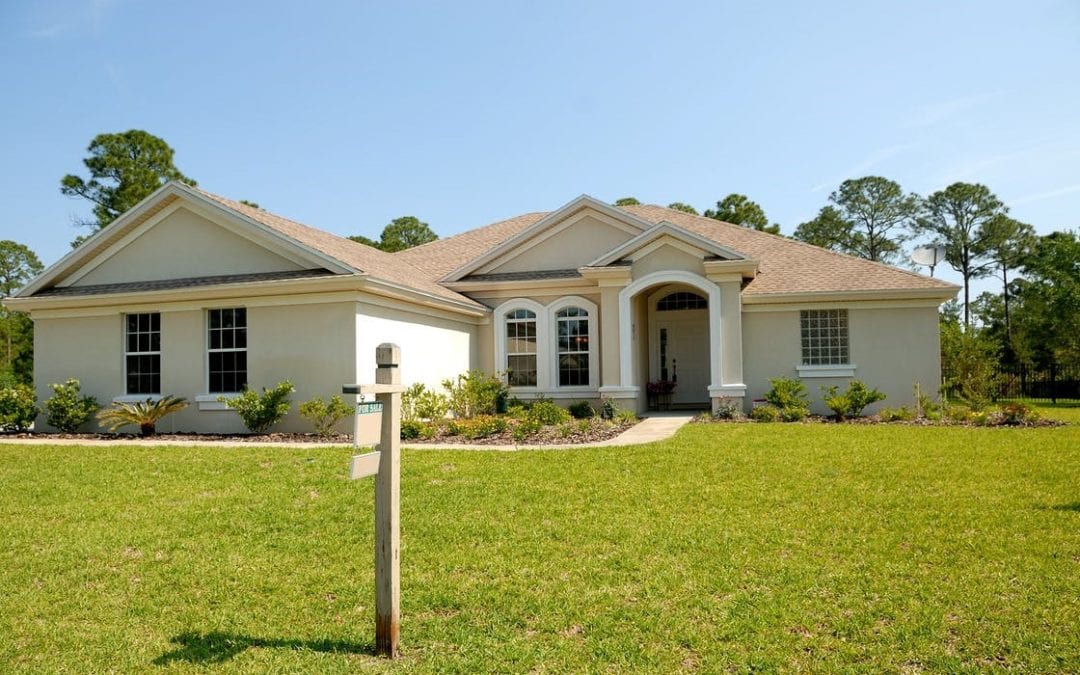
812, 547
1064, 411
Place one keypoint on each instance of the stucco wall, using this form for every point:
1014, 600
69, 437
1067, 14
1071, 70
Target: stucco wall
89, 349
432, 348
579, 244
892, 349
192, 246
664, 259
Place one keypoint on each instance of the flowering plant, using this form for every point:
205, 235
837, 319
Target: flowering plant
660, 387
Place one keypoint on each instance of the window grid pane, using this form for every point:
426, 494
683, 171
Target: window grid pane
572, 338
227, 342
521, 348
142, 353
681, 300
824, 334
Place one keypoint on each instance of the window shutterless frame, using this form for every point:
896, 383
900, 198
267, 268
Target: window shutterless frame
142, 353
226, 348
824, 335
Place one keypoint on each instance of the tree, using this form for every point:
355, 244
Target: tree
1047, 315
958, 216
870, 218
627, 201
124, 169
248, 202
18, 264
1010, 242
400, 234
739, 210
681, 206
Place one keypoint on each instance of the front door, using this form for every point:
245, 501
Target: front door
681, 355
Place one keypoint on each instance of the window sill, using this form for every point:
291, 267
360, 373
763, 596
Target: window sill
211, 402
839, 370
136, 398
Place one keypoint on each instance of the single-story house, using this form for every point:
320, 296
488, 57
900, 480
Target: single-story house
195, 295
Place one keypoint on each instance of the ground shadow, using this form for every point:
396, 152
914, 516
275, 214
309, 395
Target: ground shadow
217, 647
1074, 506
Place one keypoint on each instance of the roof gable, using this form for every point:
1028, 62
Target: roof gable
667, 233
546, 227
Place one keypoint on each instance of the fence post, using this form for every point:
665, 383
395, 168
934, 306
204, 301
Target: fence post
388, 505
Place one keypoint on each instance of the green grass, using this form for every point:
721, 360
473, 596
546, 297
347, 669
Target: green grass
794, 547
1065, 411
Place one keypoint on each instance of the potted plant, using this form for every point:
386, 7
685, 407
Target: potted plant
660, 394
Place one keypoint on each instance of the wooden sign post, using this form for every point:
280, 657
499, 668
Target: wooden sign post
385, 464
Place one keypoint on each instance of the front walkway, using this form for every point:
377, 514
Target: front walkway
656, 426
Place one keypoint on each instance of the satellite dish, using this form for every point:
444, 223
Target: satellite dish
929, 256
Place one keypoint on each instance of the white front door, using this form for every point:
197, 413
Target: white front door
681, 354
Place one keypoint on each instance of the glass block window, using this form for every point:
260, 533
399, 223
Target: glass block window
573, 348
142, 353
824, 337
521, 348
227, 342
681, 300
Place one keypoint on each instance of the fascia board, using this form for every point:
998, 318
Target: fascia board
659, 230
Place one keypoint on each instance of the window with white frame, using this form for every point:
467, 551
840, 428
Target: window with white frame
142, 353
521, 348
824, 337
572, 332
227, 350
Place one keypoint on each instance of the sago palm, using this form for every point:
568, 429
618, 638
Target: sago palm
146, 414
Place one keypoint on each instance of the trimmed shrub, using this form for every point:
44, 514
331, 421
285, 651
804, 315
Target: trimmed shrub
623, 416
548, 413
786, 393
18, 407
526, 428
901, 414
1017, 414
420, 403
582, 410
260, 412
143, 414
728, 409
958, 413
794, 414
411, 429
480, 426
765, 413
853, 401
474, 393
323, 415
67, 410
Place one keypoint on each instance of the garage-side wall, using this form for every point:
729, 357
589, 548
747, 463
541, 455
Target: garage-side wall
892, 349
89, 349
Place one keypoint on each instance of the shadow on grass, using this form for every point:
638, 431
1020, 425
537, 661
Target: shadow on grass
1074, 506
217, 647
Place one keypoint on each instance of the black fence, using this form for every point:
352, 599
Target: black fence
1059, 383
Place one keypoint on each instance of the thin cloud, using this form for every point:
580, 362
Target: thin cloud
862, 167
1040, 196
48, 32
92, 14
931, 114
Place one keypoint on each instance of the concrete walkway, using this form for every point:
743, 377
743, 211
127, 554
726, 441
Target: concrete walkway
654, 427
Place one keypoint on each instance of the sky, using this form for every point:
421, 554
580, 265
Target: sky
345, 115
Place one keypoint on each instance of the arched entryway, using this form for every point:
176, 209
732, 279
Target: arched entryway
678, 335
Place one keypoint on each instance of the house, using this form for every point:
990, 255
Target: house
195, 295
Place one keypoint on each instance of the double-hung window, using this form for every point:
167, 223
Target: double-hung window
227, 341
521, 348
824, 337
573, 346
142, 353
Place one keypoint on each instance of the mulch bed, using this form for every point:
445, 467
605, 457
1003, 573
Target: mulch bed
553, 435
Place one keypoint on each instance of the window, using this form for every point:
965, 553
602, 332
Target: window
681, 300
142, 353
824, 337
521, 348
227, 350
573, 337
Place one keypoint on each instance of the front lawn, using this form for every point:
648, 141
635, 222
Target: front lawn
812, 547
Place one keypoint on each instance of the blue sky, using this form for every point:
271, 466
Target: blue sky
344, 115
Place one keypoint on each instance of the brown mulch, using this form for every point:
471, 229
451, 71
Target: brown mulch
553, 435
187, 436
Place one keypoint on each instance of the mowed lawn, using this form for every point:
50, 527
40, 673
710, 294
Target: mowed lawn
814, 547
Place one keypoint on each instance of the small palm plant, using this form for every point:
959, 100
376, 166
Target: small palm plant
146, 414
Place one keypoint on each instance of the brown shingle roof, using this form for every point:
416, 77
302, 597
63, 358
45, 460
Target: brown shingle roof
378, 264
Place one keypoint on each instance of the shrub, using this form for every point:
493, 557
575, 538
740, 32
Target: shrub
480, 426
474, 393
853, 401
608, 409
901, 414
411, 429
420, 403
794, 414
260, 412
728, 409
623, 416
787, 393
925, 406
323, 415
67, 410
18, 407
582, 410
548, 413
143, 414
958, 413
1015, 414
526, 428
765, 413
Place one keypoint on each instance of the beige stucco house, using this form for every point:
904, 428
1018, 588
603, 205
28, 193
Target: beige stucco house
195, 295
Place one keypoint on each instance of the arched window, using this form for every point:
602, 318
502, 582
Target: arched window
680, 300
572, 331
521, 348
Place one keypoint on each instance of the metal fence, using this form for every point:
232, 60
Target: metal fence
1058, 383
